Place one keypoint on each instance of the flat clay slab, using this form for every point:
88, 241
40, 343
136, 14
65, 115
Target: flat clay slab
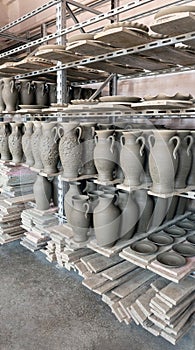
90, 47
178, 23
58, 55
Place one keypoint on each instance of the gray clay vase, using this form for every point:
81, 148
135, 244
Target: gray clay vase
80, 218
26, 92
191, 176
146, 205
129, 214
74, 190
41, 93
9, 94
185, 159
88, 145
163, 160
42, 190
15, 142
5, 131
49, 147
35, 144
105, 154
26, 143
2, 104
70, 149
52, 87
106, 220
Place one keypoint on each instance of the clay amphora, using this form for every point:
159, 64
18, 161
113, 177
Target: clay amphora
129, 214
70, 149
191, 177
105, 154
88, 145
163, 160
49, 147
80, 218
146, 205
42, 190
5, 131
52, 88
26, 143
185, 159
106, 218
26, 92
35, 144
9, 94
74, 190
15, 142
41, 93
132, 156
2, 104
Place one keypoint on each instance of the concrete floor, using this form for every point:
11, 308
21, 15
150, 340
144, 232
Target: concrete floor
46, 308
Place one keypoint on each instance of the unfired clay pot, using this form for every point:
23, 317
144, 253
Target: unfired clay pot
185, 159
26, 92
52, 92
41, 93
49, 147
191, 177
88, 145
70, 149
35, 144
5, 131
129, 214
132, 156
163, 160
106, 220
105, 154
146, 205
159, 212
9, 94
80, 218
15, 142
74, 190
42, 190
2, 104
26, 143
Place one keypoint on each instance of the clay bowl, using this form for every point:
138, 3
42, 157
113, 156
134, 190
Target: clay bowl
174, 9
144, 247
186, 224
191, 239
171, 259
175, 231
186, 250
161, 238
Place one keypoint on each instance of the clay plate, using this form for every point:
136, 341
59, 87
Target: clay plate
171, 259
191, 239
31, 106
162, 96
186, 224
175, 231
144, 248
119, 98
187, 250
161, 238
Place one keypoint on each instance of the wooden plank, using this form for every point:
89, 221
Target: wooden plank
159, 284
109, 285
94, 282
175, 293
101, 263
118, 270
20, 199
144, 300
174, 339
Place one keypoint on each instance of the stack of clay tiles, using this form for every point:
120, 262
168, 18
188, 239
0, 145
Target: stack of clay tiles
16, 192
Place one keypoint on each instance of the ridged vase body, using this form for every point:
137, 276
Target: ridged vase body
5, 131
15, 142
49, 147
26, 143
35, 144
88, 145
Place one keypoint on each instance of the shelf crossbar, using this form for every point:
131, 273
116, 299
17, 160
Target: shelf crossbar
117, 53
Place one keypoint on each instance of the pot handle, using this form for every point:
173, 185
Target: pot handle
111, 137
80, 132
96, 139
86, 207
141, 138
177, 145
150, 137
12, 86
29, 87
116, 199
122, 140
56, 135
191, 141
60, 132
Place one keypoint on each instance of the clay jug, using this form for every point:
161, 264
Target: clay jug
70, 149
90, 186
41, 93
105, 154
35, 144
26, 143
49, 147
15, 142
146, 205
132, 156
42, 190
2, 104
191, 177
106, 218
129, 214
26, 92
52, 89
88, 145
5, 131
185, 159
163, 160
74, 190
9, 94
80, 218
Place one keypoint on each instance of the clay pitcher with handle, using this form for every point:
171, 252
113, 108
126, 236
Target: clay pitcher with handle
80, 218
191, 176
9, 94
163, 160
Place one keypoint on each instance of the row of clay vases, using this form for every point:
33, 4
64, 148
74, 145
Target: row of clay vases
25, 92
